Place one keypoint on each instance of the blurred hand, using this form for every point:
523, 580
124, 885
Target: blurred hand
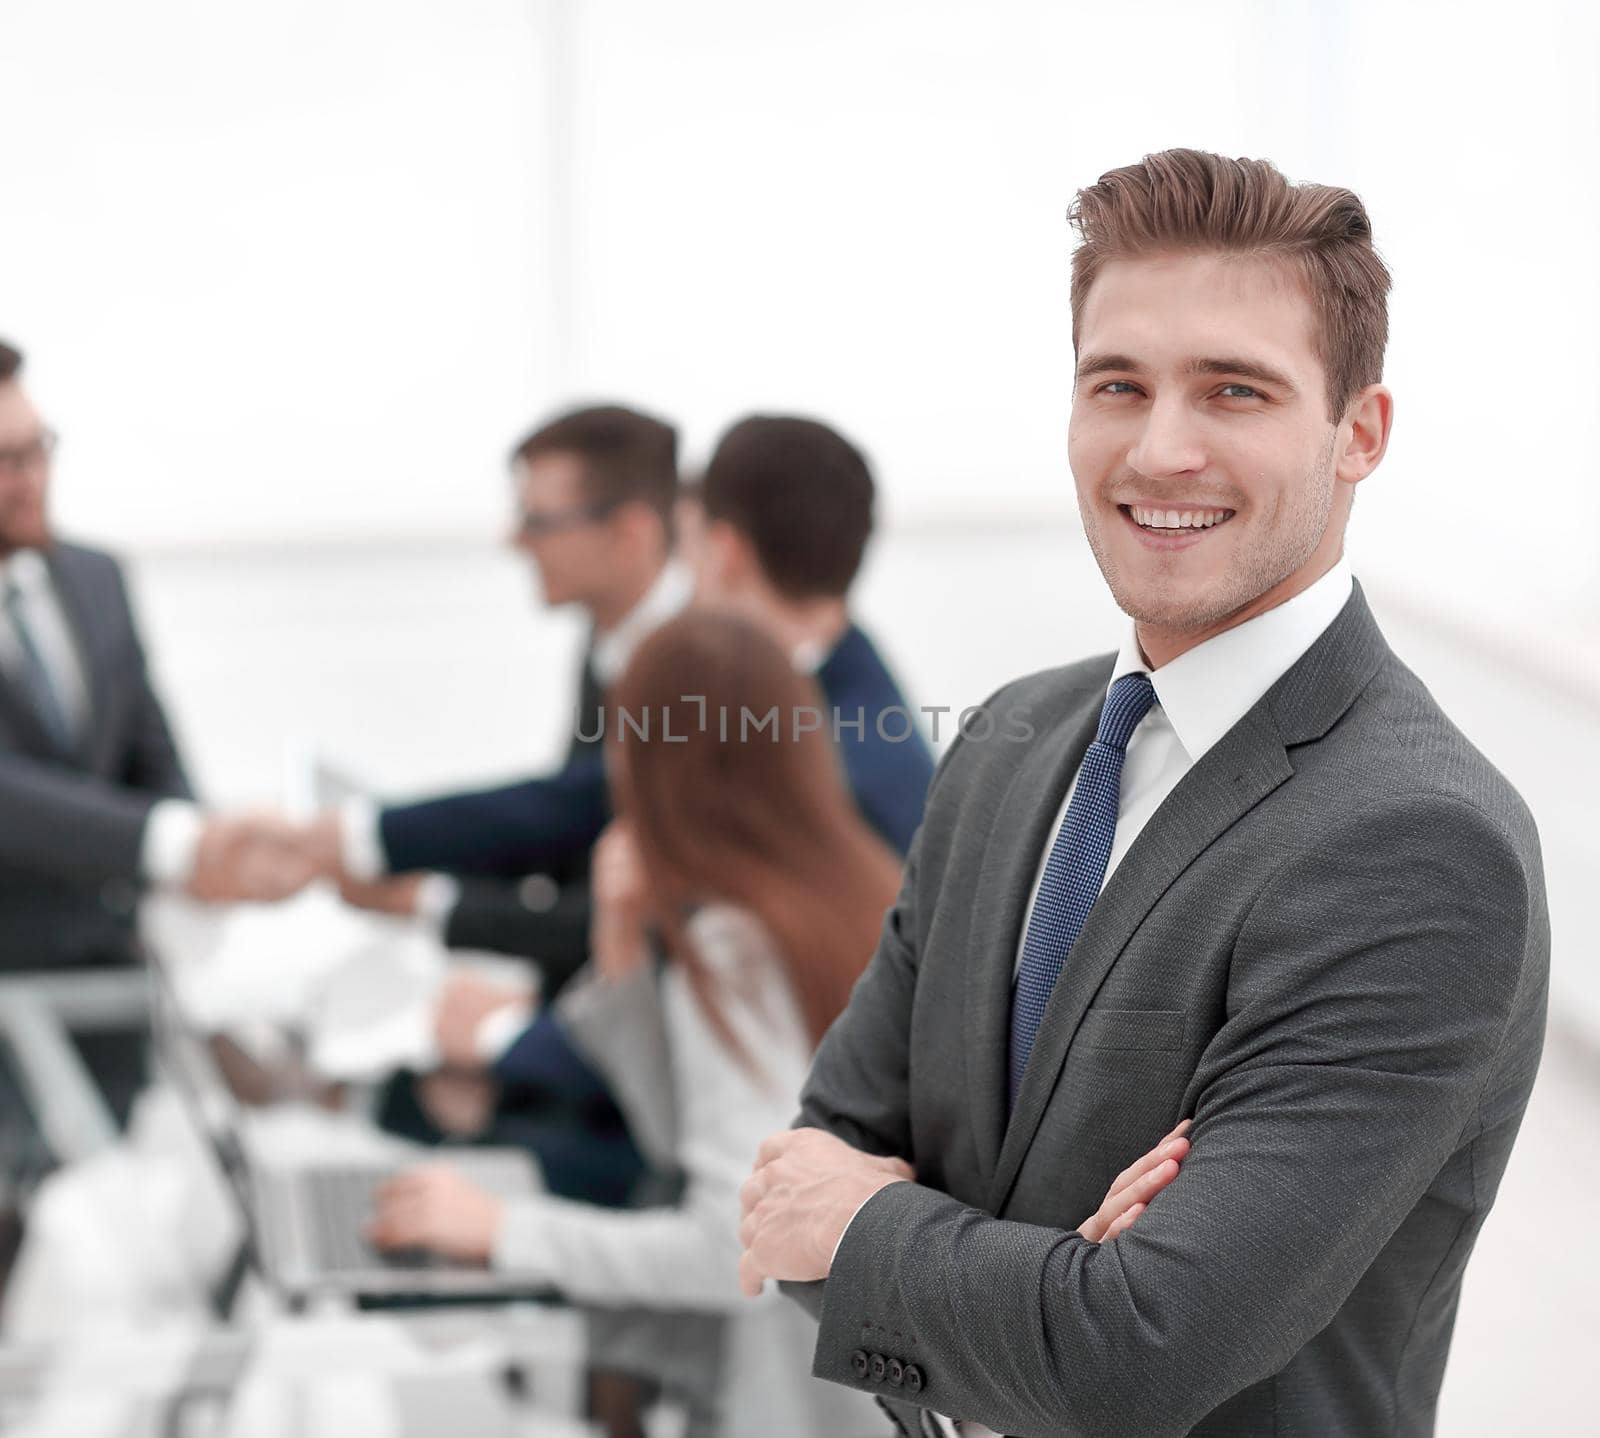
397, 896
1135, 1186
465, 1001
321, 840
249, 858
617, 883
437, 1209
460, 1104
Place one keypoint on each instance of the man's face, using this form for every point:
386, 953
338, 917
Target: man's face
572, 551
1199, 396
24, 473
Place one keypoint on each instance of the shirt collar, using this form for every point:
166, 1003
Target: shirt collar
610, 652
27, 569
1206, 690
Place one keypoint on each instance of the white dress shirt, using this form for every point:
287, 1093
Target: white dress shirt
172, 830
1200, 696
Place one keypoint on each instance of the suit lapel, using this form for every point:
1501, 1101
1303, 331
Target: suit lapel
1011, 858
1236, 774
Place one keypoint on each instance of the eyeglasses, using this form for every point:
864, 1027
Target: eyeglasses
532, 523
33, 455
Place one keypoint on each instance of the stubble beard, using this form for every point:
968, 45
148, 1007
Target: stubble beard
1281, 548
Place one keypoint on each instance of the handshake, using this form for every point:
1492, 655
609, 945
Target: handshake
266, 857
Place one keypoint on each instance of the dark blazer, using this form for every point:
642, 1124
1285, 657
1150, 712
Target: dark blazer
72, 823
1329, 946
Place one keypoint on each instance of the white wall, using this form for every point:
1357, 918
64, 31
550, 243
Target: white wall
297, 271
278, 264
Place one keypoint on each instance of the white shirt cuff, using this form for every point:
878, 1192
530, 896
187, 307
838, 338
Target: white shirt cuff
437, 896
171, 838
361, 840
499, 1030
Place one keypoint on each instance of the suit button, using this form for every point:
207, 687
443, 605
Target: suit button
858, 1363
897, 1372
913, 1378
879, 1367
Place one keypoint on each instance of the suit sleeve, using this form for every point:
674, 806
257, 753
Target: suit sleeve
60, 823
1371, 988
509, 830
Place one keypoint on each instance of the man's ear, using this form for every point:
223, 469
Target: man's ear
1364, 433
729, 559
640, 528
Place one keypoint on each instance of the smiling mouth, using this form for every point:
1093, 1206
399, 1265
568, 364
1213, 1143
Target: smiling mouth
1175, 521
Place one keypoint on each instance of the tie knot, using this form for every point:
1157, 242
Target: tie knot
1127, 703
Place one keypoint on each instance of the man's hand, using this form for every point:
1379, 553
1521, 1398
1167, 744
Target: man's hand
460, 1104
465, 1001
321, 842
249, 858
806, 1187
396, 896
437, 1209
1133, 1188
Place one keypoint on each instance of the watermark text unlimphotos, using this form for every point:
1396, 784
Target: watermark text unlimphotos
777, 724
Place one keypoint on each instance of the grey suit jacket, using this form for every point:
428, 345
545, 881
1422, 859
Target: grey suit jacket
71, 824
1329, 946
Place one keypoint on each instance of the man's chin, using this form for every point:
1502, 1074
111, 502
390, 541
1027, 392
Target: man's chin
15, 537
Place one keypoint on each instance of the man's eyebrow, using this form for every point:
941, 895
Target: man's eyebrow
1101, 364
1219, 365
1245, 368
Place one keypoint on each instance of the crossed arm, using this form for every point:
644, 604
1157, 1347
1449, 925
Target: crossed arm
1356, 1048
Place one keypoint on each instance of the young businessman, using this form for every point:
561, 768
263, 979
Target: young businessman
1247, 871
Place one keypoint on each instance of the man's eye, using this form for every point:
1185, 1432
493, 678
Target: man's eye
1247, 391
1118, 386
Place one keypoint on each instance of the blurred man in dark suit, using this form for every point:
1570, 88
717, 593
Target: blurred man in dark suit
94, 803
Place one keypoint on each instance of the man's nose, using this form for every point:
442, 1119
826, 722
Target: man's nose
1168, 442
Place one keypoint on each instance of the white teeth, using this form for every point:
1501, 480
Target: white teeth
1176, 519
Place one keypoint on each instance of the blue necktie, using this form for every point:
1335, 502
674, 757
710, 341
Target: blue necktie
1076, 866
34, 676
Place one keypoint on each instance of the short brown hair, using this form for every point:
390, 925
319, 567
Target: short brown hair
801, 493
1192, 200
10, 362
627, 456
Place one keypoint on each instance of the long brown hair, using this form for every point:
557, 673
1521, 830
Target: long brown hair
733, 795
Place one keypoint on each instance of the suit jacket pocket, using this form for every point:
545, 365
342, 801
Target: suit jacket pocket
1160, 1029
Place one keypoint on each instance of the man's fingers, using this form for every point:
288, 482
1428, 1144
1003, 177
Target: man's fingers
777, 1144
750, 1275
1122, 1222
1143, 1188
1174, 1147
751, 1191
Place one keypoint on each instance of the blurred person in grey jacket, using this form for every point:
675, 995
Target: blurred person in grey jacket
95, 804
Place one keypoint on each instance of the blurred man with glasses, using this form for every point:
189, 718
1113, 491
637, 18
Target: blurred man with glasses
506, 868
95, 806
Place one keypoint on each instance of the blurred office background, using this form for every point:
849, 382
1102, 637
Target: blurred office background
293, 276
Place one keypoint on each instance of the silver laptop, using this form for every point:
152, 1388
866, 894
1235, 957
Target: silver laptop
304, 1224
